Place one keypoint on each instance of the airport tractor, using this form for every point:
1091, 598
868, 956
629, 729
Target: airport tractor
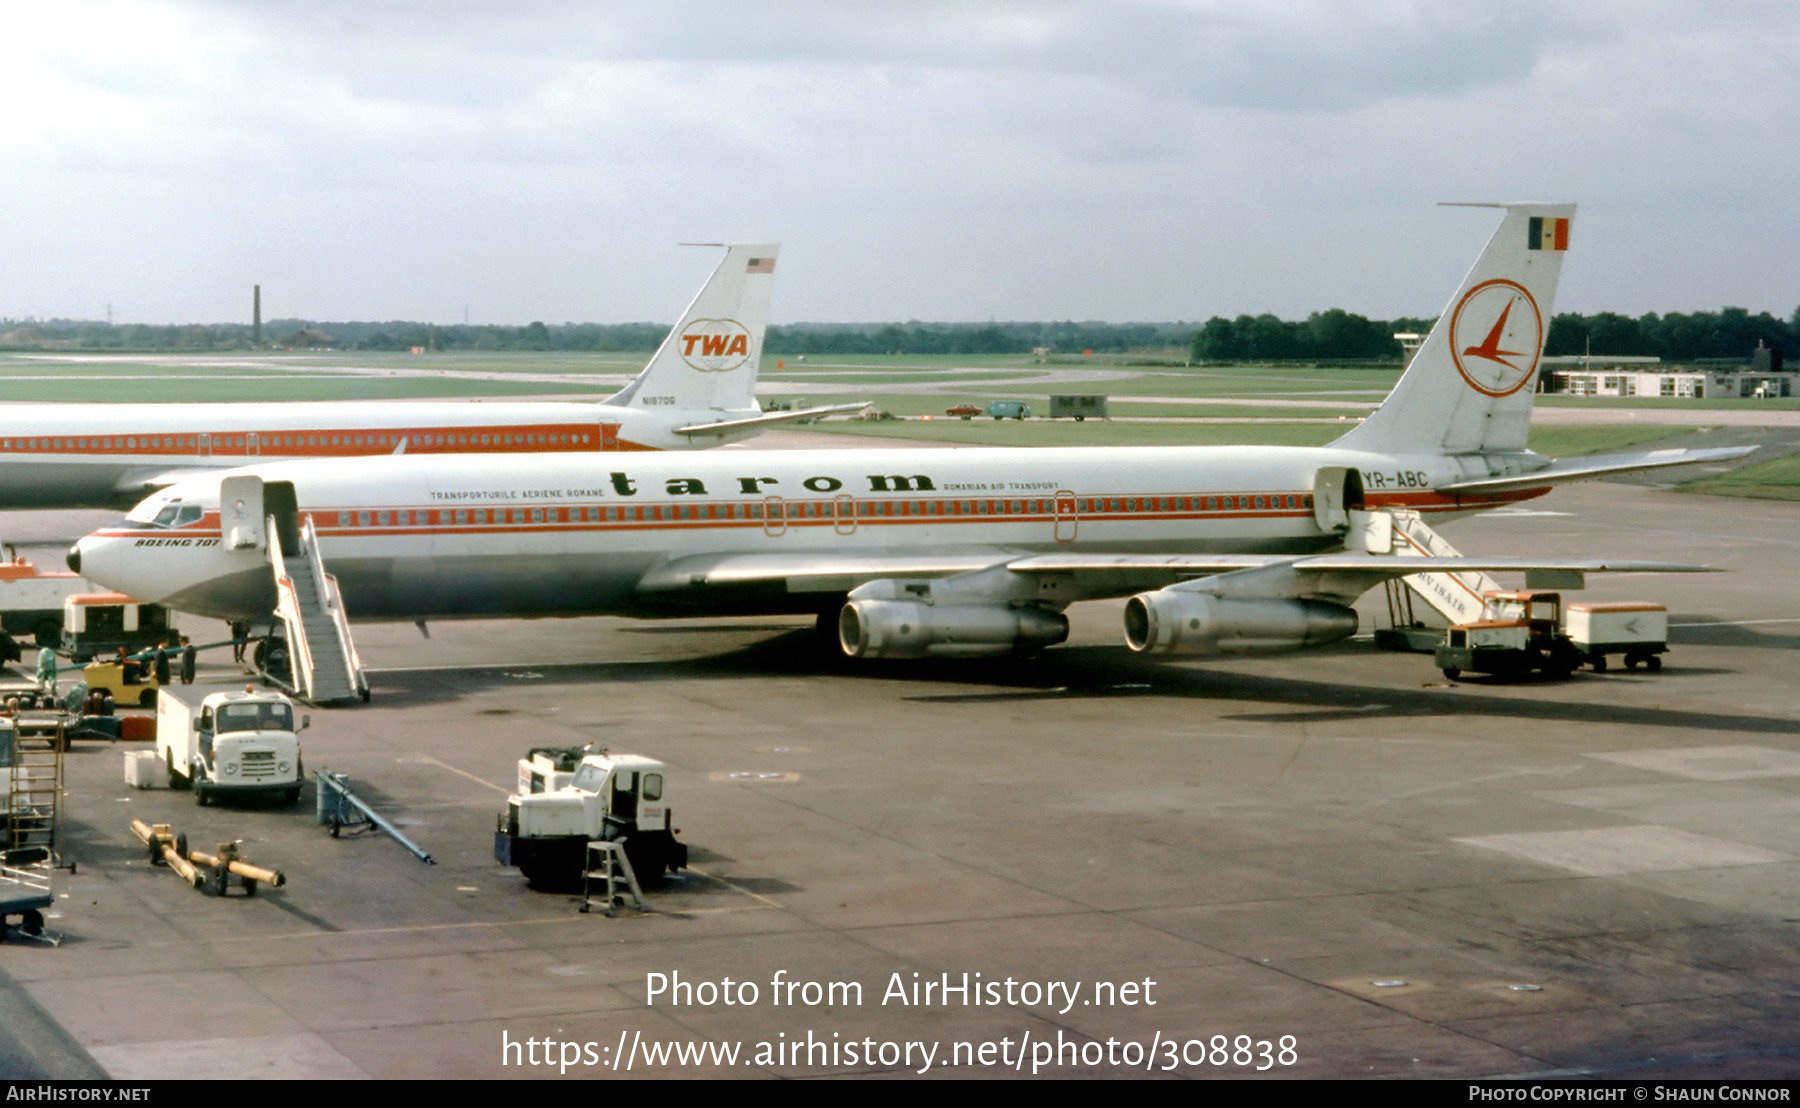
96, 624
569, 796
223, 743
1526, 631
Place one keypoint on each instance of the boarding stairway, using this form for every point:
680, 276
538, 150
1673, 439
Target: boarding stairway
325, 664
1455, 596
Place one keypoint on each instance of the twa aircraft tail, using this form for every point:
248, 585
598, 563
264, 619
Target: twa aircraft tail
708, 363
1470, 386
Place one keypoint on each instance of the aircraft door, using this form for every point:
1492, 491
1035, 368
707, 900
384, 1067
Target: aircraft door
1066, 518
845, 507
252, 444
774, 515
609, 436
1337, 491
241, 512
282, 505
624, 795
205, 445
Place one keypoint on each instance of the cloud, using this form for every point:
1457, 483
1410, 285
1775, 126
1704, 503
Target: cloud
923, 159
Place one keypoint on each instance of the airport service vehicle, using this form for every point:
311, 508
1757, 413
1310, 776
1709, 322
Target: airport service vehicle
127, 683
569, 796
1518, 632
698, 390
1077, 408
104, 622
1009, 409
1532, 631
31, 601
907, 552
221, 742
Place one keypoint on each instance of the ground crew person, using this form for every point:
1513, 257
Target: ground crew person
46, 670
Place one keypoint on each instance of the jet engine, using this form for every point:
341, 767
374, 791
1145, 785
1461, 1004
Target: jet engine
870, 628
1171, 621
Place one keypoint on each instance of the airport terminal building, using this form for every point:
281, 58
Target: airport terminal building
1625, 375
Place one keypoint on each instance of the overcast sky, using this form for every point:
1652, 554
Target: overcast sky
1118, 159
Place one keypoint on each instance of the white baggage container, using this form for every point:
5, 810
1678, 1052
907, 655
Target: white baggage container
1637, 629
143, 769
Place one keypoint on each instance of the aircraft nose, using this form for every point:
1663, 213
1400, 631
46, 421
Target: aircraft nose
74, 558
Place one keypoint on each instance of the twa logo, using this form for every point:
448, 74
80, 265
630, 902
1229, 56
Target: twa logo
714, 345
1496, 335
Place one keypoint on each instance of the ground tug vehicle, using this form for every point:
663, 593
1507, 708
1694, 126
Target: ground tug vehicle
569, 796
223, 743
1528, 631
102, 623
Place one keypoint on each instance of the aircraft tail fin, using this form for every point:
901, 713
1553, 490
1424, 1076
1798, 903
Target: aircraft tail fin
1469, 388
709, 361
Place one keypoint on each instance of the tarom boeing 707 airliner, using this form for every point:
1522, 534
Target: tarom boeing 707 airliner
905, 552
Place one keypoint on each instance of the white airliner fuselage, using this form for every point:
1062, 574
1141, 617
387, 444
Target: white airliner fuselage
697, 390
94, 455
462, 536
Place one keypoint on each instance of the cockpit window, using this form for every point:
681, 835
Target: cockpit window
177, 514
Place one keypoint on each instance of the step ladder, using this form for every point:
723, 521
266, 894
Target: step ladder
325, 664
609, 869
33, 758
1402, 531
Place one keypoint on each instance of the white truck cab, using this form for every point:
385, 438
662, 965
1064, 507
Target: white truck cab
569, 796
221, 742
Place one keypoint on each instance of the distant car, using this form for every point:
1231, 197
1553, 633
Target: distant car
965, 410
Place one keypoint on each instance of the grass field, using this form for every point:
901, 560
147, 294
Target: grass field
1773, 480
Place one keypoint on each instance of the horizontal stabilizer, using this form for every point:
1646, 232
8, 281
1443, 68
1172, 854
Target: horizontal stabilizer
767, 419
1602, 465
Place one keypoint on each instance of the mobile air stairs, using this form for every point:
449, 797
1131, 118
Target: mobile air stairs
1455, 596
322, 657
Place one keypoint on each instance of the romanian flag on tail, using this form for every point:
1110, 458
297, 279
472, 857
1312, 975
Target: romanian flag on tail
1549, 234
767, 265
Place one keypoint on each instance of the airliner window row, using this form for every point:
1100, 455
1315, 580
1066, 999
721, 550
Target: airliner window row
558, 437
1087, 507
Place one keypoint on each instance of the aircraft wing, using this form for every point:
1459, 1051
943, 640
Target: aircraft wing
1600, 465
139, 483
767, 419
1091, 576
813, 572
1343, 576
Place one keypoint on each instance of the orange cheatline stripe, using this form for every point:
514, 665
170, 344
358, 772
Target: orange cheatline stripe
316, 442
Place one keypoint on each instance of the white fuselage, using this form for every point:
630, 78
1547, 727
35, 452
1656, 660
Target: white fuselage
417, 537
109, 455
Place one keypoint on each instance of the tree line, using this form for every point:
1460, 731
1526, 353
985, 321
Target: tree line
1331, 336
1336, 335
